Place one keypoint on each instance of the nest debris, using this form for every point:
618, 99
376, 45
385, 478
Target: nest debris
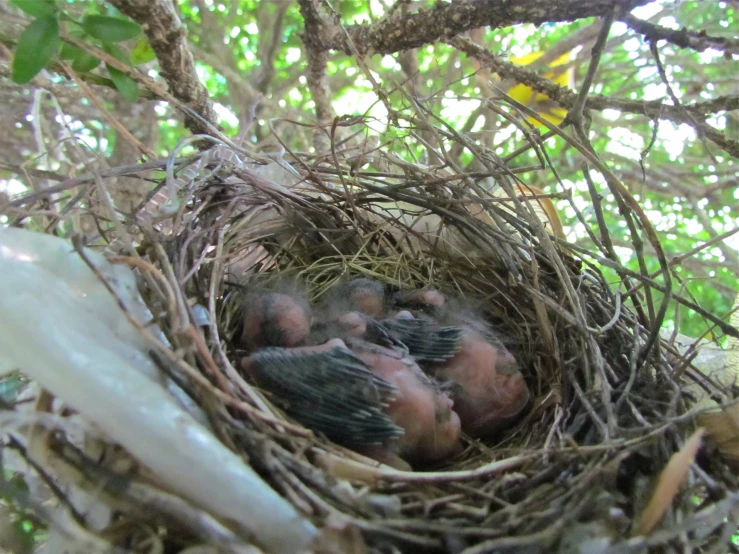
611, 402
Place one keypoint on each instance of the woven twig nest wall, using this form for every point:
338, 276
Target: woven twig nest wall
611, 401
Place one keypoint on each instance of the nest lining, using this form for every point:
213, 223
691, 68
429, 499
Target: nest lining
607, 414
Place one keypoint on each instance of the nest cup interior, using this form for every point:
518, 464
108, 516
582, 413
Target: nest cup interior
602, 410
488, 299
318, 260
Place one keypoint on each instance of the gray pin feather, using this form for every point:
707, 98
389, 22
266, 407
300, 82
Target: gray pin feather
330, 391
425, 342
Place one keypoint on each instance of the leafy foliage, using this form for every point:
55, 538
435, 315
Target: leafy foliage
81, 60
142, 52
125, 85
110, 29
36, 8
40, 41
36, 47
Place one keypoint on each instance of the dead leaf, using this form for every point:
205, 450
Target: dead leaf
722, 428
668, 484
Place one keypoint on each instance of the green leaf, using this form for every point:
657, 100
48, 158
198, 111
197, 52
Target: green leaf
86, 62
142, 52
125, 85
117, 52
111, 29
69, 51
36, 47
36, 8
81, 60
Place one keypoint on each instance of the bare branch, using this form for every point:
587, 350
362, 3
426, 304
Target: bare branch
689, 114
682, 38
317, 69
445, 20
675, 100
318, 85
31, 172
575, 113
268, 49
166, 35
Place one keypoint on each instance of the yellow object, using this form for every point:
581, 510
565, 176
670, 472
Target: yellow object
538, 102
543, 208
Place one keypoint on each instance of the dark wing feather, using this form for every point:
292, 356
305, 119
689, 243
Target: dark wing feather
378, 333
425, 342
374, 333
330, 391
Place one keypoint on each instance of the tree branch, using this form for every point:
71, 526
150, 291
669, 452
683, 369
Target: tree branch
445, 20
317, 69
166, 35
682, 38
689, 114
267, 49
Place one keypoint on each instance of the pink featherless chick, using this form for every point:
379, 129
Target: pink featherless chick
273, 318
368, 397
360, 308
363, 295
484, 379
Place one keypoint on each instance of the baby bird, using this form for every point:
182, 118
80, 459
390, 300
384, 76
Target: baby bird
487, 386
485, 382
352, 325
360, 308
363, 295
366, 396
431, 427
275, 319
430, 301
328, 389
424, 341
420, 339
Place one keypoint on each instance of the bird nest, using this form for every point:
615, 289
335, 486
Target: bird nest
583, 470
